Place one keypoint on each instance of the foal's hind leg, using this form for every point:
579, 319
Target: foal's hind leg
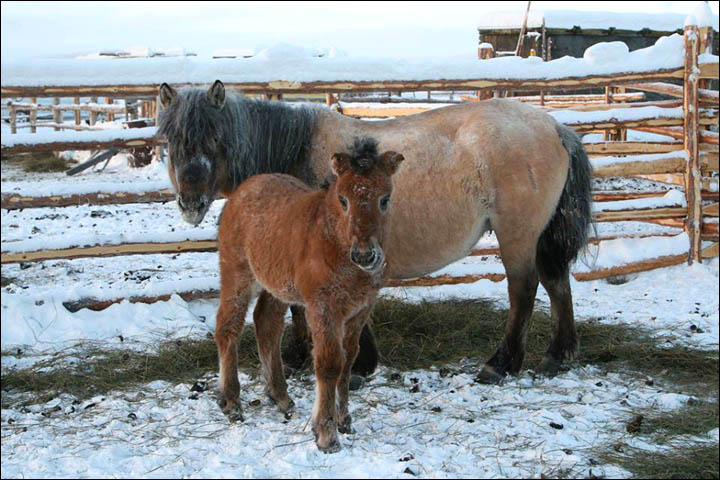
300, 345
564, 336
353, 328
235, 292
268, 316
522, 286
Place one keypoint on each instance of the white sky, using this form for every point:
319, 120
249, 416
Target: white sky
374, 29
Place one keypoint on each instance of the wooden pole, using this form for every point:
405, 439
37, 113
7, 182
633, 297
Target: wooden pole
693, 180
13, 119
705, 45
158, 148
33, 115
93, 113
76, 101
57, 113
518, 49
110, 116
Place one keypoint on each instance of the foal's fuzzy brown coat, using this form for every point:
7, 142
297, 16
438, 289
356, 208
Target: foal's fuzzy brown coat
319, 249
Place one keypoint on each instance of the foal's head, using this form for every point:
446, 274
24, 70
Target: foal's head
193, 123
360, 199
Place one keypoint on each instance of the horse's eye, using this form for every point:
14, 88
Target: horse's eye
384, 202
343, 202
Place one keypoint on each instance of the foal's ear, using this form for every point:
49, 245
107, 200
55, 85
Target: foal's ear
167, 94
390, 161
339, 163
216, 94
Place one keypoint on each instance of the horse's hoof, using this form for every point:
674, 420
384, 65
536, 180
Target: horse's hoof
356, 382
346, 425
488, 375
549, 366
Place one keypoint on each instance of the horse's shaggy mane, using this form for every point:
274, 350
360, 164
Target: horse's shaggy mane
250, 136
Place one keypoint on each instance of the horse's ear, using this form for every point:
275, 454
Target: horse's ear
216, 94
390, 161
167, 94
339, 163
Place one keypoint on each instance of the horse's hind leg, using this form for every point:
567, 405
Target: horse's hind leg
298, 348
268, 316
522, 281
235, 292
564, 336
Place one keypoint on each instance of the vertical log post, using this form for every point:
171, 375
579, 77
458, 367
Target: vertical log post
607, 135
33, 115
110, 115
158, 148
13, 118
57, 113
621, 132
330, 99
485, 52
76, 101
93, 113
693, 180
706, 41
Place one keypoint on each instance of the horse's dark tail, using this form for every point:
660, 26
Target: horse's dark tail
567, 232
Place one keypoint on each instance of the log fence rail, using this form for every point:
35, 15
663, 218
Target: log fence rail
690, 160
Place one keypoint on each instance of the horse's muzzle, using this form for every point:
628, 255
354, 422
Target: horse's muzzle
193, 210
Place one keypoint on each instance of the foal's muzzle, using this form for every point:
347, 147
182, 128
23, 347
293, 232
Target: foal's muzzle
369, 260
193, 208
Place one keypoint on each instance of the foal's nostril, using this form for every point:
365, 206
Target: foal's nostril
363, 259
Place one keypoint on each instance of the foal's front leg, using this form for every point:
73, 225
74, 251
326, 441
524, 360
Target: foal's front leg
351, 343
326, 329
235, 291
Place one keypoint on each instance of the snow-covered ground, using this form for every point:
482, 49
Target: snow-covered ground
450, 427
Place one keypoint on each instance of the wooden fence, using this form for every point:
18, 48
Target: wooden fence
690, 160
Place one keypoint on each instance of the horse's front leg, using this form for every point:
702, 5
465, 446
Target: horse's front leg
326, 330
351, 343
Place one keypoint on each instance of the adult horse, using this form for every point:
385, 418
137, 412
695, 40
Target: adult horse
495, 165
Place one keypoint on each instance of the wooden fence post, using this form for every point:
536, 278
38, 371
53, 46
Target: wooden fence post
77, 112
57, 113
33, 115
110, 115
158, 148
93, 113
13, 119
693, 180
485, 52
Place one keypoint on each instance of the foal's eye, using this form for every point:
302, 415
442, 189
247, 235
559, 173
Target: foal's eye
343, 202
384, 202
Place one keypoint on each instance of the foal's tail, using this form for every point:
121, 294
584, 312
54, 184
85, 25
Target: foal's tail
567, 232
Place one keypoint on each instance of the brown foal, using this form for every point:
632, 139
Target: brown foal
322, 249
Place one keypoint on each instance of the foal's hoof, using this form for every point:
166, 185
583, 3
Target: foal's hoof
356, 382
488, 375
286, 406
345, 426
232, 410
332, 447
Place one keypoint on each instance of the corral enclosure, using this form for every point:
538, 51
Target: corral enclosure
98, 239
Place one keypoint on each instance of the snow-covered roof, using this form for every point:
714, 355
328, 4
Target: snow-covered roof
664, 22
282, 64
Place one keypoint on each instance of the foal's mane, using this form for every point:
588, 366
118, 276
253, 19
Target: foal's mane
362, 156
250, 136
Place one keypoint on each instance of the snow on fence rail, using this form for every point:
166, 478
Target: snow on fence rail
694, 155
